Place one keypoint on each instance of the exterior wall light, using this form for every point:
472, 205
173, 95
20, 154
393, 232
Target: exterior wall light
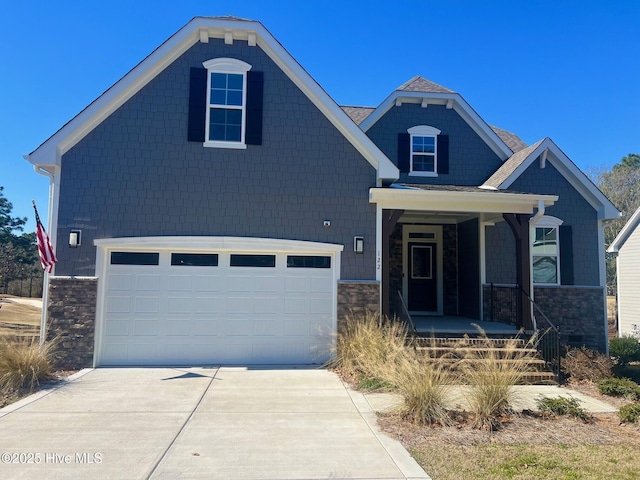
358, 244
74, 238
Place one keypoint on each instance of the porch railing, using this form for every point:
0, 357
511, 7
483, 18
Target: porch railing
548, 340
504, 305
403, 313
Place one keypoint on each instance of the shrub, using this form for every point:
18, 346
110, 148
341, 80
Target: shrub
624, 350
365, 344
491, 374
585, 364
564, 406
630, 413
23, 364
619, 387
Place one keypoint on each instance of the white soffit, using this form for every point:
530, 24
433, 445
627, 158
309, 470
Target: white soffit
200, 29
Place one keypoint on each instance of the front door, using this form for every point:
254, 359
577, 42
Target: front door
422, 272
422, 284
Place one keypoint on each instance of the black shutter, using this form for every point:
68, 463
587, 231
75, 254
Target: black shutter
404, 152
255, 87
566, 254
443, 153
197, 105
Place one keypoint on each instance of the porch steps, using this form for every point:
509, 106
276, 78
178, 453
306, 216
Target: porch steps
476, 350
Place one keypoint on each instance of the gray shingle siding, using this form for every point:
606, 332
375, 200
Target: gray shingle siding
471, 161
136, 174
571, 208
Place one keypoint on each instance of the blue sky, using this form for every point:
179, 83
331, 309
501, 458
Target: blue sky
569, 70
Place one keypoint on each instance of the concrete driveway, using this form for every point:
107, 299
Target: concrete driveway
227, 423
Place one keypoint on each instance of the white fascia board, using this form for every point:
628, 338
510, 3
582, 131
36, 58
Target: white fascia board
455, 201
576, 177
245, 244
50, 152
624, 234
460, 105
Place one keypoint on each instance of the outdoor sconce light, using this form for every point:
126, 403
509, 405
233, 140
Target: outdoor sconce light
358, 244
74, 238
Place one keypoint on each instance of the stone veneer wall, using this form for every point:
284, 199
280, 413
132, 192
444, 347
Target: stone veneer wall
504, 305
357, 297
71, 318
578, 312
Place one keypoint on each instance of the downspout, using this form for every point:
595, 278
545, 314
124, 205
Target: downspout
532, 221
45, 283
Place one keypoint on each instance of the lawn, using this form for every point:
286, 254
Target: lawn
18, 318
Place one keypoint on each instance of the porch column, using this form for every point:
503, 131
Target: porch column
389, 220
519, 224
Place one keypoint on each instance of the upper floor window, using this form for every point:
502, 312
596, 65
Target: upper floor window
226, 102
545, 251
423, 151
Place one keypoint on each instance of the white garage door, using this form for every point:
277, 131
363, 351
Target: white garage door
176, 306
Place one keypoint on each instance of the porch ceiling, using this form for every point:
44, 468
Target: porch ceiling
454, 201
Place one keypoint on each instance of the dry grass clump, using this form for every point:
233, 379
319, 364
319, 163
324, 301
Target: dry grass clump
23, 364
424, 383
490, 374
366, 343
382, 350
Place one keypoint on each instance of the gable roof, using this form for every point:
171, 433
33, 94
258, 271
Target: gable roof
357, 114
547, 150
625, 233
425, 92
201, 29
420, 84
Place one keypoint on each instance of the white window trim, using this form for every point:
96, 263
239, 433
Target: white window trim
547, 221
423, 131
234, 66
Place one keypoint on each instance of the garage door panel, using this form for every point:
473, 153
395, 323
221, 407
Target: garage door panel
270, 283
266, 305
180, 283
267, 327
179, 304
239, 283
295, 284
177, 327
207, 283
145, 327
120, 282
117, 326
208, 327
320, 285
239, 305
146, 305
185, 313
148, 283
207, 305
118, 305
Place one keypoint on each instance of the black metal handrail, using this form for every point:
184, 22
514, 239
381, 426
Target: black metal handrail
404, 314
548, 340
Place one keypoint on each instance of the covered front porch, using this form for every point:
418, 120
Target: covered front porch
432, 256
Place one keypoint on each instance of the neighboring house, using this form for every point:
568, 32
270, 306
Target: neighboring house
215, 205
627, 247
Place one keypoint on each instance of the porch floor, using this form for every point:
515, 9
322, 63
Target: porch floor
441, 325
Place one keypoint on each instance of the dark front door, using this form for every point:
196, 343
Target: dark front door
422, 284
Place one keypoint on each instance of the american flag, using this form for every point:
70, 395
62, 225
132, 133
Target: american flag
45, 249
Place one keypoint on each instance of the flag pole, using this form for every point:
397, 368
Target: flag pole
45, 296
